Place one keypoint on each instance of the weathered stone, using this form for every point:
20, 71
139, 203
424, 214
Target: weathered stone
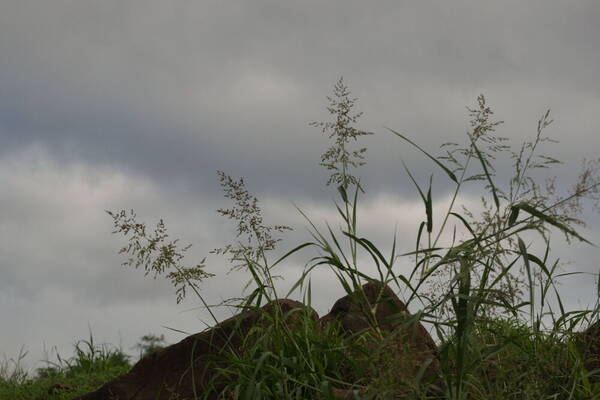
589, 344
402, 346
398, 348
185, 369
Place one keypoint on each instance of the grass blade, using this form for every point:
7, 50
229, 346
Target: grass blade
546, 218
487, 174
448, 172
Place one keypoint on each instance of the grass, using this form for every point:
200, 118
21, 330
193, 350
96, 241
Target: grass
309, 363
491, 302
91, 366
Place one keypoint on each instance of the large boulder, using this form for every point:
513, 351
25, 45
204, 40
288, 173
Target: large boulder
185, 370
401, 348
398, 350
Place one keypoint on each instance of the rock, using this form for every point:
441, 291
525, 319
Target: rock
589, 345
169, 373
402, 346
398, 348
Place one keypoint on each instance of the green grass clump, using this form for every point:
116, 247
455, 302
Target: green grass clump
511, 361
90, 367
301, 361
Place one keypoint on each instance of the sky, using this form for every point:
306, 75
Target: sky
130, 104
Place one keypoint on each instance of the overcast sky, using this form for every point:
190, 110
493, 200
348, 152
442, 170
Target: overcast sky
136, 104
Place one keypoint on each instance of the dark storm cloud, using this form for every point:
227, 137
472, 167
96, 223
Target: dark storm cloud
180, 89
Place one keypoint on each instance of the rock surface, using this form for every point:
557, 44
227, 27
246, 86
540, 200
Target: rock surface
589, 342
170, 374
186, 369
401, 346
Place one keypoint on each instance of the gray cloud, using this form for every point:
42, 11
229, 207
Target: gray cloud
120, 104
143, 85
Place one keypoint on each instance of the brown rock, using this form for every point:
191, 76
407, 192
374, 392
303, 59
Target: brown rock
402, 347
170, 373
589, 344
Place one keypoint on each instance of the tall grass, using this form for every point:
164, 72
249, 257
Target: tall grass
491, 300
66, 378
